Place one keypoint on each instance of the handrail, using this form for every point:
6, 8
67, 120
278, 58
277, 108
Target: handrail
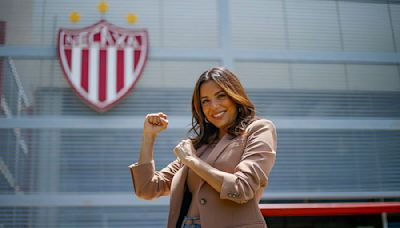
21, 92
328, 209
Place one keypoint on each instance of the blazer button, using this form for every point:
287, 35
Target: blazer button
203, 201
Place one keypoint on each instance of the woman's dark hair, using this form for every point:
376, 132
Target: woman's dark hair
205, 132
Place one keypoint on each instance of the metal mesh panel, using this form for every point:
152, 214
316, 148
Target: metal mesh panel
329, 160
268, 102
84, 217
307, 160
99, 160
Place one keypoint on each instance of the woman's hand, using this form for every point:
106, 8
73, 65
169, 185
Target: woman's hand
185, 151
155, 123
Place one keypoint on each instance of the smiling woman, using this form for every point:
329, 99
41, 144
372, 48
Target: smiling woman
219, 175
219, 99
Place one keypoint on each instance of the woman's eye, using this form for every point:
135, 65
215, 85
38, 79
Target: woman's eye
204, 101
221, 96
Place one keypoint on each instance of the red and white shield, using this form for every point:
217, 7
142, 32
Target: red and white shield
102, 62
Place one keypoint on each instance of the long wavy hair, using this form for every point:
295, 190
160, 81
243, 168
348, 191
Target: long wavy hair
204, 132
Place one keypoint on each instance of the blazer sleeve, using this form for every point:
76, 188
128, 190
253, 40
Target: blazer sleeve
251, 174
150, 184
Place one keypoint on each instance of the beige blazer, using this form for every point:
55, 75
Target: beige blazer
246, 160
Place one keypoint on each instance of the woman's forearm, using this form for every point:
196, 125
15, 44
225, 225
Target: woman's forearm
186, 153
146, 148
211, 175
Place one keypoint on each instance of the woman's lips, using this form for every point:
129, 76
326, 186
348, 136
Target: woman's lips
219, 115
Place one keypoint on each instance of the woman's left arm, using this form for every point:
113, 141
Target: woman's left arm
252, 171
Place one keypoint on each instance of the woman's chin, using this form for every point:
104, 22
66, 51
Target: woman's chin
220, 125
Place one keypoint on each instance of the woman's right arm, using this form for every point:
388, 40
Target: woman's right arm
153, 124
148, 183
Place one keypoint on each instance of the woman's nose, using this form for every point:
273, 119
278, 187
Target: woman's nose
214, 104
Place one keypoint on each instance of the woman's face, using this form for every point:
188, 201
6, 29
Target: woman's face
218, 107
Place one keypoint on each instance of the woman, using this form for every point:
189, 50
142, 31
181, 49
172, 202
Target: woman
220, 174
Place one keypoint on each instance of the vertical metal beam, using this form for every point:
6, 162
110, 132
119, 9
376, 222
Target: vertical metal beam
225, 34
48, 165
40, 218
384, 220
287, 40
339, 20
391, 25
2, 41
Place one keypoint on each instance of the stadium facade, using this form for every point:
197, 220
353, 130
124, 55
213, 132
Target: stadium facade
325, 71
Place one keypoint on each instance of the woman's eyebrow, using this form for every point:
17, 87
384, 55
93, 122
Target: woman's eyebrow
219, 91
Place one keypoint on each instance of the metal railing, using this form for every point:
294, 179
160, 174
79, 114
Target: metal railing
13, 107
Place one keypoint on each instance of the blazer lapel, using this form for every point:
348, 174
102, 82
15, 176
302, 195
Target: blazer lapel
219, 148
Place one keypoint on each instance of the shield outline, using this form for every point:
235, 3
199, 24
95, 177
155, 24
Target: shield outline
66, 70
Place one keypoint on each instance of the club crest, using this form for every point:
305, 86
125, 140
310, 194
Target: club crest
102, 62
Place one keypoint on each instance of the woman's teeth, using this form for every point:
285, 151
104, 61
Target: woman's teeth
218, 115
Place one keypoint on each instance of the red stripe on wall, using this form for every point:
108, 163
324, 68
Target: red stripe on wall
85, 69
120, 69
136, 54
68, 53
326, 209
103, 75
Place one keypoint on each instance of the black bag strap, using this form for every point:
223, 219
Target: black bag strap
187, 199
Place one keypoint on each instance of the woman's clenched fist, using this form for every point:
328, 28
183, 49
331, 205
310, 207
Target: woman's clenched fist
155, 123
